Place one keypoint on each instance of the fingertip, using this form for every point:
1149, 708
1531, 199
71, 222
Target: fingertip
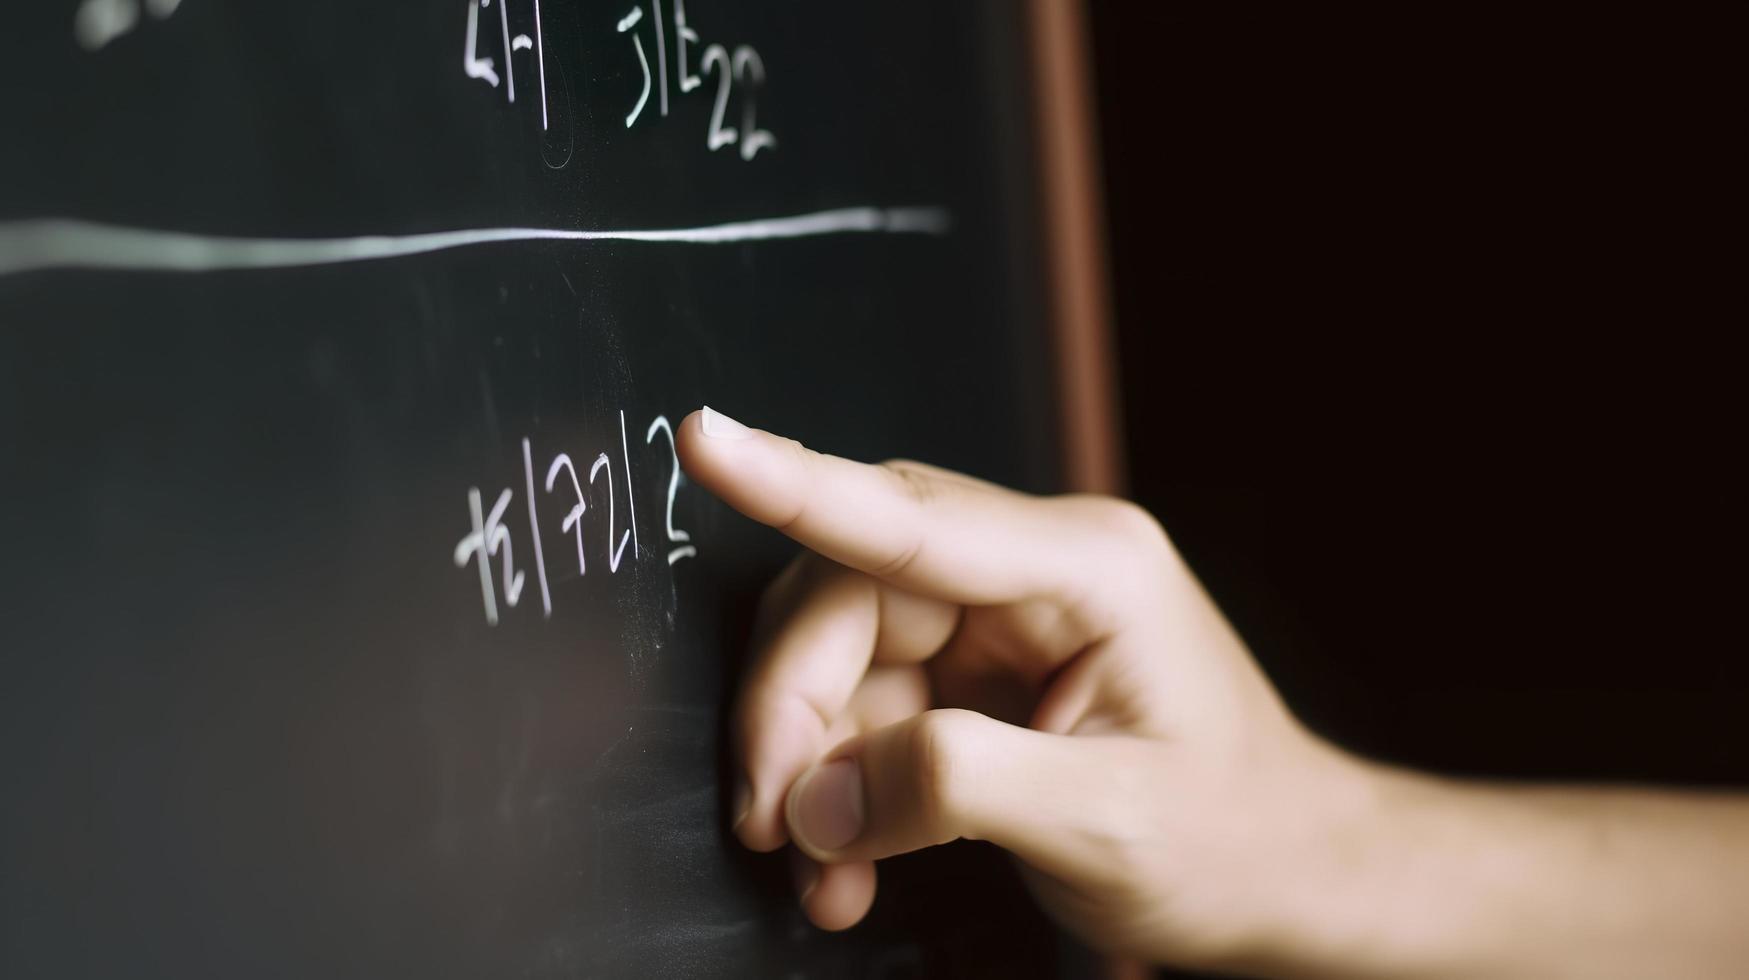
761, 832
749, 823
687, 437
691, 444
760, 826
751, 470
840, 896
706, 428
777, 742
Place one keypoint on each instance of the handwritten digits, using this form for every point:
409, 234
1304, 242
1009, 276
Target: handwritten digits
574, 520
489, 538
739, 68
674, 534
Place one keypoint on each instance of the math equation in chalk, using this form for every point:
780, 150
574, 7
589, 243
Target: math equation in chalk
739, 74
576, 498
506, 49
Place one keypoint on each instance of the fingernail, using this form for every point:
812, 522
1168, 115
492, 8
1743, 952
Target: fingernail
720, 426
742, 803
828, 809
806, 872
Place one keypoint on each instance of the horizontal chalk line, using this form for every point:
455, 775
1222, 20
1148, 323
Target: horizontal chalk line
67, 243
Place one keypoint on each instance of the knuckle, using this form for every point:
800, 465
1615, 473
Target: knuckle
914, 484
1134, 521
804, 478
803, 454
901, 561
911, 479
1127, 526
939, 763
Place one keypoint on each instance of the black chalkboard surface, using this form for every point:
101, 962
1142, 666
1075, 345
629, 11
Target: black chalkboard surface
356, 622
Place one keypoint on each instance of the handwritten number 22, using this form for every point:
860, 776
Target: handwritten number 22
747, 70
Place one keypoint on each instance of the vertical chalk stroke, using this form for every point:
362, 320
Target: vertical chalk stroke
66, 243
490, 537
540, 560
626, 23
504, 24
540, 55
683, 34
631, 497
474, 544
661, 53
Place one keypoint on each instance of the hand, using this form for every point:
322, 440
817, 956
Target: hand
955, 660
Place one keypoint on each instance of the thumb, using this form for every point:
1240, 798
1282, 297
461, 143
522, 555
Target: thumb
947, 774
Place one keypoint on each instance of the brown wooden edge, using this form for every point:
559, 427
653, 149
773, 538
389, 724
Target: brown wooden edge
1074, 244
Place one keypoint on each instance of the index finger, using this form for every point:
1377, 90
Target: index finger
926, 530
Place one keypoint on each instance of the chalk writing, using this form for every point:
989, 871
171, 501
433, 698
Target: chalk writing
540, 560
740, 72
98, 22
488, 538
674, 534
489, 534
573, 520
613, 553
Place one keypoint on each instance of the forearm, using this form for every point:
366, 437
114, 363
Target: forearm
1435, 877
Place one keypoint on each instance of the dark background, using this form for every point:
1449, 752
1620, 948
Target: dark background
1428, 365
1426, 328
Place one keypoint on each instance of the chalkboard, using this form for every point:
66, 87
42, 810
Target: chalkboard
356, 619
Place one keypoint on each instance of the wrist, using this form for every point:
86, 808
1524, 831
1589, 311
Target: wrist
1329, 868
1383, 876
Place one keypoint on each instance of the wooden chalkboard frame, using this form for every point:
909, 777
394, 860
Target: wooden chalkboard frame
1072, 212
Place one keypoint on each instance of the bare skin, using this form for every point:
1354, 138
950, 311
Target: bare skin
950, 659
